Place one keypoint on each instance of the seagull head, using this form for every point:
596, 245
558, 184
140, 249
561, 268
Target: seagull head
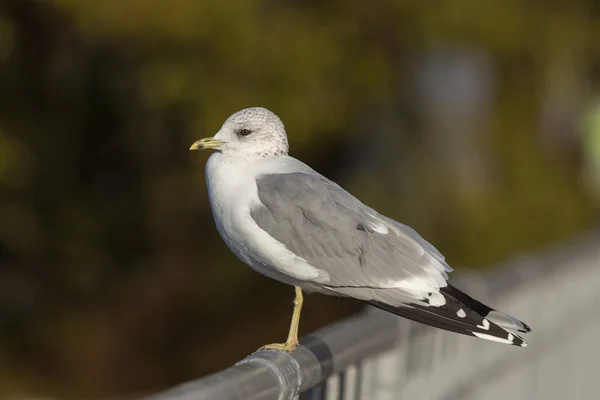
251, 132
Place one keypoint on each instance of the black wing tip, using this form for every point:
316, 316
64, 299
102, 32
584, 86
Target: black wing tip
456, 318
509, 338
481, 308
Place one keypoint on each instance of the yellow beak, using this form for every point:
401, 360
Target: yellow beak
206, 143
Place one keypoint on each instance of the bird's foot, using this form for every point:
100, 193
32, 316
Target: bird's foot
287, 346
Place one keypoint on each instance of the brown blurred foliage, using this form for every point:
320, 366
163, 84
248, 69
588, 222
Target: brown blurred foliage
113, 280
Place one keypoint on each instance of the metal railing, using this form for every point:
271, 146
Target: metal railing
378, 356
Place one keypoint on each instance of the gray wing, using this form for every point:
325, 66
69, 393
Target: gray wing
333, 231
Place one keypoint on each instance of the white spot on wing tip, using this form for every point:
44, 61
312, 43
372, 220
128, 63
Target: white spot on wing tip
485, 336
486, 325
524, 344
461, 313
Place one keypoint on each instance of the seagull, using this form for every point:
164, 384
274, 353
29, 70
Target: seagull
292, 224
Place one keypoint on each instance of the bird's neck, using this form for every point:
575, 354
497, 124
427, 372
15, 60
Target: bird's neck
248, 157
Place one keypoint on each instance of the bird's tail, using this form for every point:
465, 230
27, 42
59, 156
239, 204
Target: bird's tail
465, 315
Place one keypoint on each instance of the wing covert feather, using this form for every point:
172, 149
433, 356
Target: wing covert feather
333, 231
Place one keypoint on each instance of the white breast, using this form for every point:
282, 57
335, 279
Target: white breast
233, 193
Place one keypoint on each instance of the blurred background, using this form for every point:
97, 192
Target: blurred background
475, 122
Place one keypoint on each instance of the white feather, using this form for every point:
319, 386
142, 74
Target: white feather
232, 193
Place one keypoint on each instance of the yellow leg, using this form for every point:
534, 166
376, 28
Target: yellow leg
292, 339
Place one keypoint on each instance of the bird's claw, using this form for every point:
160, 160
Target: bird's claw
287, 346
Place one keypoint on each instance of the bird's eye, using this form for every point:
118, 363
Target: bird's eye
244, 132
